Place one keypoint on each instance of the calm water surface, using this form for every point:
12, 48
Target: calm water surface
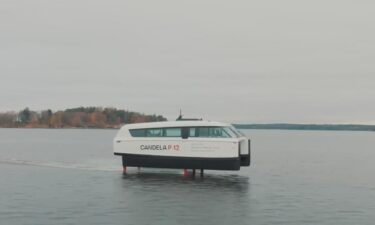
296, 177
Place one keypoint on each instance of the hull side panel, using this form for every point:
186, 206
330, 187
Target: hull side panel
180, 162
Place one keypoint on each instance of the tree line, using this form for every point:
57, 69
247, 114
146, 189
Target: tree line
81, 117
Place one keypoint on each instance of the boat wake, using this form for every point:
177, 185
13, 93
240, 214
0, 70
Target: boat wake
60, 165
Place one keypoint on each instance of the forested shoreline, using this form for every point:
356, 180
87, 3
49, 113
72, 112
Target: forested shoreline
80, 117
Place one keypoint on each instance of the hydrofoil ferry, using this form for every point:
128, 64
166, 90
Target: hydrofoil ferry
183, 144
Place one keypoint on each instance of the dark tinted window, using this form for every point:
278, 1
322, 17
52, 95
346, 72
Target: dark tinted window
138, 132
156, 132
172, 132
209, 132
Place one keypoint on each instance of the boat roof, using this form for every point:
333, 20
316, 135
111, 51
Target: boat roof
181, 123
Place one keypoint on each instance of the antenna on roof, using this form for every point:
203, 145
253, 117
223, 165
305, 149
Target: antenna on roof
179, 118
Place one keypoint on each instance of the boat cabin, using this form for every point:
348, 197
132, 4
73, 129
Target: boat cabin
182, 144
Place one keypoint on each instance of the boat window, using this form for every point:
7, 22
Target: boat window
192, 132
235, 132
154, 132
238, 132
172, 132
138, 132
204, 132
211, 132
218, 132
230, 132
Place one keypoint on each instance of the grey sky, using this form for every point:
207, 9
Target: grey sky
235, 61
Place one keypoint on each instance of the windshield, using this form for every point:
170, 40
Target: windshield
230, 132
237, 132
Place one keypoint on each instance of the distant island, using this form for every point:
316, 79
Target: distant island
288, 126
80, 117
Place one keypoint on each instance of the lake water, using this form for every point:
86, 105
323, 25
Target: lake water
297, 177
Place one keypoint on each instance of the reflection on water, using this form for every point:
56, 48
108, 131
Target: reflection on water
226, 182
99, 165
168, 198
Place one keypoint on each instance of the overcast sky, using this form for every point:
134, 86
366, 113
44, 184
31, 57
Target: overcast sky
235, 61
